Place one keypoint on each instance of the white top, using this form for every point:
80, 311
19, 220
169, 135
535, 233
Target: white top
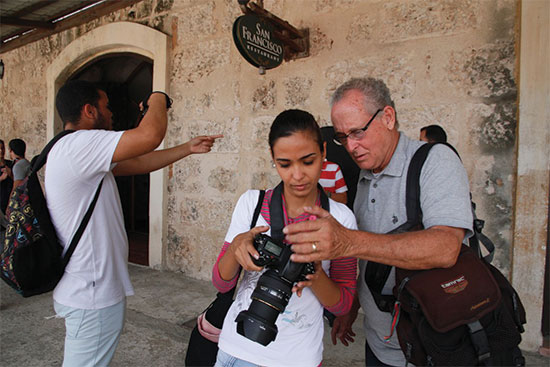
299, 340
97, 274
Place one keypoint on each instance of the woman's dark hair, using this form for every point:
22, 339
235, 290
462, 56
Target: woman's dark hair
72, 96
292, 121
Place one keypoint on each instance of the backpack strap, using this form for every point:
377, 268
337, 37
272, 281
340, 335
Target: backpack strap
82, 227
276, 210
257, 209
38, 161
377, 274
224, 300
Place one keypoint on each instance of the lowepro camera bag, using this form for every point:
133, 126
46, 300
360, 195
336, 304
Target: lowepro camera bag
31, 260
465, 315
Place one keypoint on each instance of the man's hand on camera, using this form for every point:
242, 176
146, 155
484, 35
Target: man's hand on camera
242, 248
202, 144
320, 239
311, 278
341, 329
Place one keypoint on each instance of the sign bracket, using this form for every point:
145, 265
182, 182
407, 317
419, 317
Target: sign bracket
295, 41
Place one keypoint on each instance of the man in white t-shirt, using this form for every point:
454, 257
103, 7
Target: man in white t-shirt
91, 295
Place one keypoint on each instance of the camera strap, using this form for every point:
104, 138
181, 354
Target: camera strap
276, 211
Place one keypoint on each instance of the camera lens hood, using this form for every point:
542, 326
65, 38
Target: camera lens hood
255, 328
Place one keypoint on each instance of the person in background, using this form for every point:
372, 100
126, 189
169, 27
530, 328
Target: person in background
433, 134
332, 181
6, 183
21, 166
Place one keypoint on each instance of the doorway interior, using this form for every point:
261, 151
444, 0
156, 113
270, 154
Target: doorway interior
127, 79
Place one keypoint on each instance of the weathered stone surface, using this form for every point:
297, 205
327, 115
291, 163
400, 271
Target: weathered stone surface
395, 71
265, 97
497, 130
257, 134
298, 90
486, 71
163, 5
411, 119
198, 21
203, 212
450, 62
200, 60
404, 20
318, 41
223, 180
331, 5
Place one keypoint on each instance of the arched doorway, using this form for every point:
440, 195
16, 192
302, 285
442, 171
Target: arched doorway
127, 79
116, 40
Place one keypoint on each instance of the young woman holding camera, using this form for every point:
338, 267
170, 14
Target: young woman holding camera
298, 152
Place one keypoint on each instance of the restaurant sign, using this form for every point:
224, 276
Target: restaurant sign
255, 41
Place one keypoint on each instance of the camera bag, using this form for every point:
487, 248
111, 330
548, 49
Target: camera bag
31, 261
203, 343
465, 315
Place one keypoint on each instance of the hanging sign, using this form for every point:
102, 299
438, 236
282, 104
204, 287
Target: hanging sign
256, 42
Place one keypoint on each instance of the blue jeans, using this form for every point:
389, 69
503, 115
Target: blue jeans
91, 335
226, 360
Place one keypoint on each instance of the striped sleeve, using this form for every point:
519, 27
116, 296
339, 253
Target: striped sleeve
343, 272
222, 285
340, 184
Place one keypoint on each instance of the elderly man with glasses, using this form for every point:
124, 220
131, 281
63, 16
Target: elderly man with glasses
365, 123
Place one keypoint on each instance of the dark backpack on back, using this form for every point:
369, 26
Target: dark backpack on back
466, 315
31, 261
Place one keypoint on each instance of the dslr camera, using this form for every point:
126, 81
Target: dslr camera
273, 291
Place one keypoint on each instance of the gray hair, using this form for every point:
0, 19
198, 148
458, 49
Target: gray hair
377, 94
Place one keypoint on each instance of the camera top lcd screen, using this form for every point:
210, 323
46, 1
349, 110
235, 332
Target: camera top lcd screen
273, 248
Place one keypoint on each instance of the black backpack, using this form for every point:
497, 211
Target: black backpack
465, 315
31, 261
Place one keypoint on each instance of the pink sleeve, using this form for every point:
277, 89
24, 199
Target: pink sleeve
220, 284
343, 272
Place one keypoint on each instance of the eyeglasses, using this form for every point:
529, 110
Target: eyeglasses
357, 134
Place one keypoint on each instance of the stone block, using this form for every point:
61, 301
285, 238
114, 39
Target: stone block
319, 41
200, 60
257, 134
231, 140
185, 174
397, 21
297, 92
198, 21
496, 131
163, 6
201, 213
224, 180
395, 71
324, 6
486, 72
264, 97
412, 119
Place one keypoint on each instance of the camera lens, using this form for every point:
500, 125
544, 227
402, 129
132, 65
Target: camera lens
272, 292
269, 299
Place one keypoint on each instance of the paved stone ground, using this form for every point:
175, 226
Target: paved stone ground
156, 331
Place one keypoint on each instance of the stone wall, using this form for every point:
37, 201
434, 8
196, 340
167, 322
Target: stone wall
450, 62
